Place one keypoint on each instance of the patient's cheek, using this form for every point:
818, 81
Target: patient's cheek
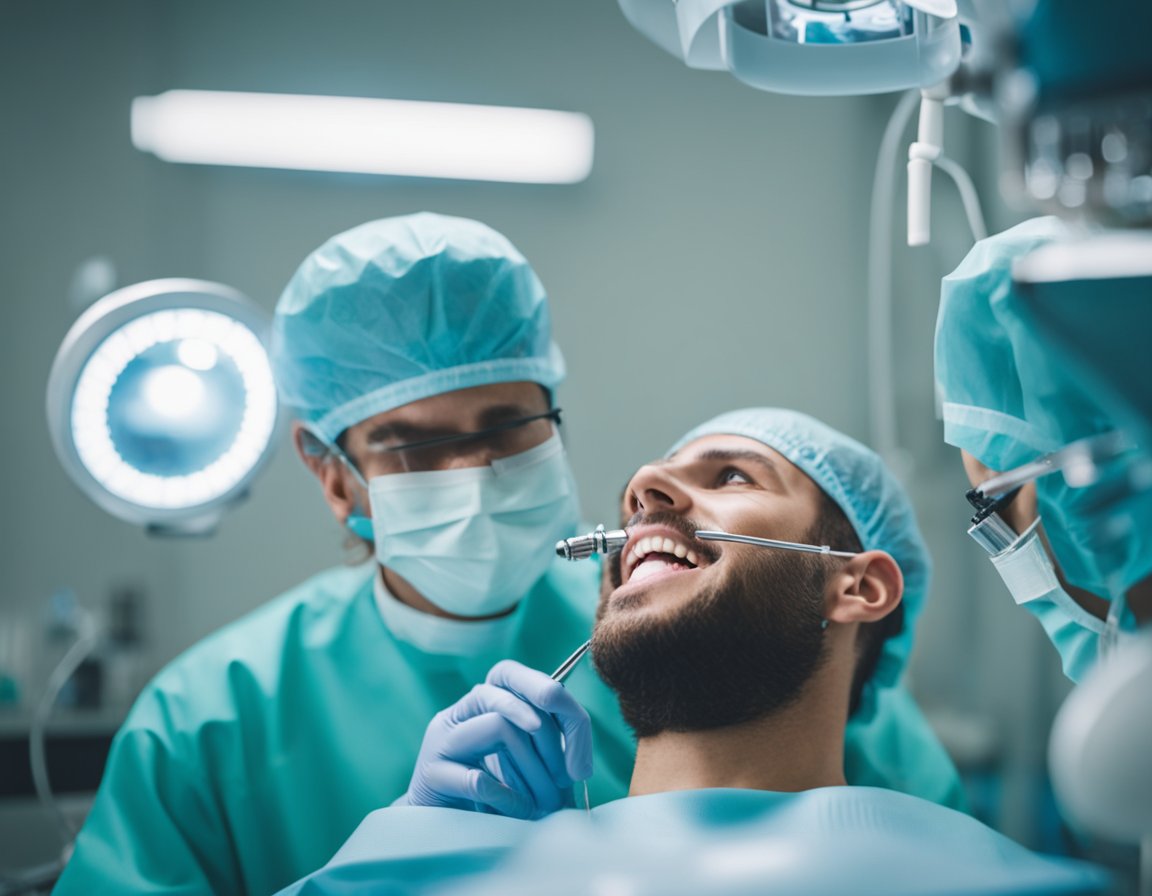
610, 575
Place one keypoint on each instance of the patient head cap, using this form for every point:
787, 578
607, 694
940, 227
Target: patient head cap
874, 502
405, 308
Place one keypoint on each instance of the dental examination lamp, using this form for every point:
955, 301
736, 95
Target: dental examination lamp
827, 48
161, 403
1068, 81
813, 47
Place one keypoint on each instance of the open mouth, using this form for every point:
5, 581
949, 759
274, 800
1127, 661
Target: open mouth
658, 551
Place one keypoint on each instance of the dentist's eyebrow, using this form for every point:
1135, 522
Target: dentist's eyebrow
403, 431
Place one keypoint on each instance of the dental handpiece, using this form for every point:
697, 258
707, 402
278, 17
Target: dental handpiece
599, 541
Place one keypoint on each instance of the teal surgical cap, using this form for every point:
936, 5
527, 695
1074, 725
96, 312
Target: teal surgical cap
995, 406
861, 485
405, 308
1008, 396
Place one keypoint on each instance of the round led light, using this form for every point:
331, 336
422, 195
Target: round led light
162, 404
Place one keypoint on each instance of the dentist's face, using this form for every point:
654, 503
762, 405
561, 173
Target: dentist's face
695, 635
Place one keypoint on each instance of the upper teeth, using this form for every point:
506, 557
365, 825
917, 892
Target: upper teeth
659, 544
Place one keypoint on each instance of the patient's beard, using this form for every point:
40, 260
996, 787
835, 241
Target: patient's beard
735, 652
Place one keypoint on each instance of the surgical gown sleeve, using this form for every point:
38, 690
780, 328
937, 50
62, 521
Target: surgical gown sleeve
140, 839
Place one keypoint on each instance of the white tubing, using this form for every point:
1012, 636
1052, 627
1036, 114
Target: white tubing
76, 654
968, 195
881, 374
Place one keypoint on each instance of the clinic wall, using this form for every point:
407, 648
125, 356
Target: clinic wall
714, 259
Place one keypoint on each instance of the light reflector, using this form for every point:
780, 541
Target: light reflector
162, 404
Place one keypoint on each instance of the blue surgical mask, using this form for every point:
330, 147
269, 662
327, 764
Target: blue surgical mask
1028, 572
1104, 547
474, 540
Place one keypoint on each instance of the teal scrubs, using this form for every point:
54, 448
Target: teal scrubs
248, 760
858, 840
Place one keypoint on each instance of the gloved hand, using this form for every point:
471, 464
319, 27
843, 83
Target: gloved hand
540, 736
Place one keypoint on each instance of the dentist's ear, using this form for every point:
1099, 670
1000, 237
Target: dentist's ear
340, 492
866, 588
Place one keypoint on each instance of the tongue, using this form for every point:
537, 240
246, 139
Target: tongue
654, 564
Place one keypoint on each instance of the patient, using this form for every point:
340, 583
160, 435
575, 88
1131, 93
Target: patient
737, 667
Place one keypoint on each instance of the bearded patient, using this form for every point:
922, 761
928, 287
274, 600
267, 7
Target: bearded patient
738, 668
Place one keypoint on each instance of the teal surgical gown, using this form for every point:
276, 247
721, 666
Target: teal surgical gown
248, 760
723, 842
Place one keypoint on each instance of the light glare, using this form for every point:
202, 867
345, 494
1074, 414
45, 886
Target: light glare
197, 354
173, 392
366, 136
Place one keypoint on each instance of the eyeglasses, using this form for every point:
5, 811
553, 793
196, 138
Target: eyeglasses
501, 440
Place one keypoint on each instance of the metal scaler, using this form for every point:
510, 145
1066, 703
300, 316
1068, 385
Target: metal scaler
599, 541
565, 670
569, 664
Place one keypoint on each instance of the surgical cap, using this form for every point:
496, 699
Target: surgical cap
405, 308
1009, 395
876, 505
995, 403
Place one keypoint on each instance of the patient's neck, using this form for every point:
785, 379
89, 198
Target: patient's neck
797, 748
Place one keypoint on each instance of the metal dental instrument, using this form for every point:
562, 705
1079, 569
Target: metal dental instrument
989, 529
603, 541
1079, 461
710, 535
563, 672
569, 664
600, 541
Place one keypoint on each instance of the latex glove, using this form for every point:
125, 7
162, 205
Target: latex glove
540, 736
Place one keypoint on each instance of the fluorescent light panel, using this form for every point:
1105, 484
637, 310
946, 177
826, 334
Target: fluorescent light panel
365, 136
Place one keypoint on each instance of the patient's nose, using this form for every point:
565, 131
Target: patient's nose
654, 489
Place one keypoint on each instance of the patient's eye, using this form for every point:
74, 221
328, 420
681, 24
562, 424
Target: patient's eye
732, 476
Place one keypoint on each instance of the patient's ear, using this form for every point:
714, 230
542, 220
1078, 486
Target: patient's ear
867, 588
336, 482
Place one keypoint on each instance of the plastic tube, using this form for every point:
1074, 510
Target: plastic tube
968, 195
881, 376
85, 641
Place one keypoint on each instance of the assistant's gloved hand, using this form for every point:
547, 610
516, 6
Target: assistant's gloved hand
513, 746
